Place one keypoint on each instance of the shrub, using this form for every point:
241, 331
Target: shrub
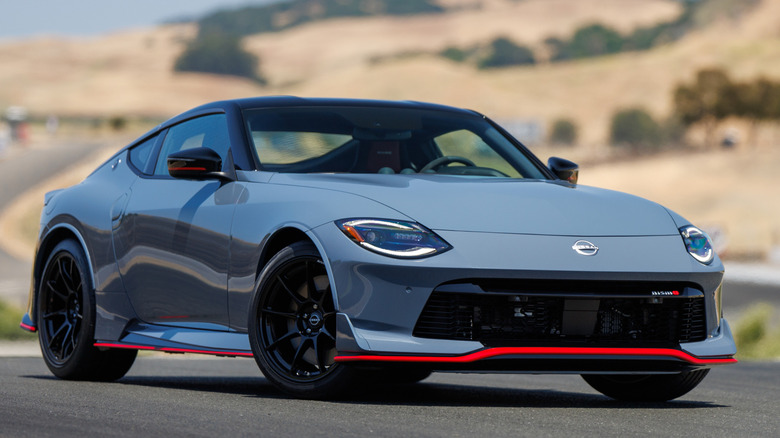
564, 132
9, 324
505, 53
753, 334
454, 54
117, 123
636, 129
593, 40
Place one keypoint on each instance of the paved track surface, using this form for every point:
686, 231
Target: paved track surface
19, 172
227, 397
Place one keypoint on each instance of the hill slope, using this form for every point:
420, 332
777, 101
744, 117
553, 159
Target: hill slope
380, 57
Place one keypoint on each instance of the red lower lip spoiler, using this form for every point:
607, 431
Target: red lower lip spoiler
585, 352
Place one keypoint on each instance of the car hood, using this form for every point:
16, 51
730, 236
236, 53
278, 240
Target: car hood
500, 205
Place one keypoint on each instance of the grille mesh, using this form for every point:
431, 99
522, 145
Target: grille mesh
515, 318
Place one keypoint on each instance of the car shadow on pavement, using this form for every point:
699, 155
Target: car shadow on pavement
419, 394
442, 394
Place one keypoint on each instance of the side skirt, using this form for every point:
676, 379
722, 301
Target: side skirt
182, 340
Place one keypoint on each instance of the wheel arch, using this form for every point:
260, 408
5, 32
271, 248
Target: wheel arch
56, 234
286, 236
276, 241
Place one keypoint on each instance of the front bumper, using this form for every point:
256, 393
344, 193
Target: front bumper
575, 360
381, 299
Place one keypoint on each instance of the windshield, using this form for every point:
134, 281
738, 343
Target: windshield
383, 140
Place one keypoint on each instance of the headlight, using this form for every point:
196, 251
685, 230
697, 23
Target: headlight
698, 244
393, 238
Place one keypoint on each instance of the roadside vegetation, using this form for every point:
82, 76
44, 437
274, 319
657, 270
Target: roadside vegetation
755, 335
9, 324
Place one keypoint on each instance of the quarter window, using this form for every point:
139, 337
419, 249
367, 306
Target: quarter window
140, 154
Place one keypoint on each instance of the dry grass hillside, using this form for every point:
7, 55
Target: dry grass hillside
131, 72
728, 192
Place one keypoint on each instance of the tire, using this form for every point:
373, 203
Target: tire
647, 388
292, 326
66, 320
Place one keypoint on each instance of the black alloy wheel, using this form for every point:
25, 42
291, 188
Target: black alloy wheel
61, 308
66, 320
293, 325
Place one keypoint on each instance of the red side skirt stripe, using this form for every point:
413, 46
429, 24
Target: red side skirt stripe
28, 327
542, 351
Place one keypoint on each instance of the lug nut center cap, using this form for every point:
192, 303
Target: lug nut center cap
315, 319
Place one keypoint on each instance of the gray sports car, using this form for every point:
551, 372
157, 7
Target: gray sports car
340, 242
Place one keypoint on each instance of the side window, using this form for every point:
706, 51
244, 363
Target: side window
140, 153
208, 131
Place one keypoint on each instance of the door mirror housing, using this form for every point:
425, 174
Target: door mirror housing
198, 164
564, 169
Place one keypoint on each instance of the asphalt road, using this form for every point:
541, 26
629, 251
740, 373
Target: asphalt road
19, 172
227, 397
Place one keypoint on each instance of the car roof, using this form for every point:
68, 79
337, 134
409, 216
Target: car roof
294, 101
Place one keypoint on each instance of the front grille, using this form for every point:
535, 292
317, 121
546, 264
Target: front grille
515, 319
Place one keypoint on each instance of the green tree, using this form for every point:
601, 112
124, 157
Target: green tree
757, 101
708, 100
454, 54
564, 132
589, 41
219, 54
505, 53
636, 129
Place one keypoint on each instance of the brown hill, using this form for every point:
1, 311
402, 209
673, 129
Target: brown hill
131, 72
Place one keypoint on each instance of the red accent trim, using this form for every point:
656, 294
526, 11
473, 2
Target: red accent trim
542, 351
29, 328
171, 349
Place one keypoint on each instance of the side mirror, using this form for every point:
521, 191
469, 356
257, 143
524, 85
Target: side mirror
564, 169
196, 163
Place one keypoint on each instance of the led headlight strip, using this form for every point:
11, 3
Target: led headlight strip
393, 238
698, 244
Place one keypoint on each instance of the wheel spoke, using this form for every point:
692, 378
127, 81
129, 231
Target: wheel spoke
63, 313
311, 286
288, 336
289, 291
326, 332
51, 284
70, 338
289, 315
318, 354
302, 347
67, 275
57, 333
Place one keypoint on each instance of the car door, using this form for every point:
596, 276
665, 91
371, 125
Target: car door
172, 240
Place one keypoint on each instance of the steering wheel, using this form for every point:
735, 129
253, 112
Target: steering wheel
443, 161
